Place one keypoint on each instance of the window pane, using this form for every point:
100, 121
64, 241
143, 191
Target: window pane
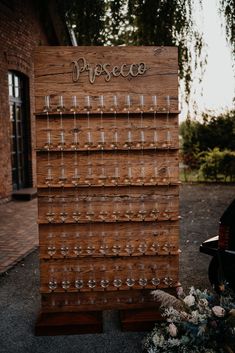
16, 81
10, 82
10, 90
17, 92
10, 79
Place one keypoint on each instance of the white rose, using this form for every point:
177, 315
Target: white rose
179, 291
218, 311
203, 302
189, 300
172, 330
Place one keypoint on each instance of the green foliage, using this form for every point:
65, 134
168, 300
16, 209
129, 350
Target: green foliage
210, 166
215, 131
227, 8
139, 22
88, 17
227, 165
168, 22
189, 148
203, 323
209, 146
216, 163
145, 22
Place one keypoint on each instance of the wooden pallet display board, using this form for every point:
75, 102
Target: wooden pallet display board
107, 177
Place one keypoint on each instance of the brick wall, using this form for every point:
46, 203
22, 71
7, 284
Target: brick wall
21, 31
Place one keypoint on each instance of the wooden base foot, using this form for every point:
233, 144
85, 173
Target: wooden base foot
139, 319
68, 323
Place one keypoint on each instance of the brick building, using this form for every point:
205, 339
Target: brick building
23, 26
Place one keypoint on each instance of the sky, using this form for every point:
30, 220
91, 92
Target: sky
219, 80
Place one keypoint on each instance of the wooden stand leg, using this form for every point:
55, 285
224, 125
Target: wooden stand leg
68, 323
139, 319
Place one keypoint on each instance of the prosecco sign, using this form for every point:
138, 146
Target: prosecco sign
107, 70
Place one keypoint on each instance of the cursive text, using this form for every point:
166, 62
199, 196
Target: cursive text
81, 65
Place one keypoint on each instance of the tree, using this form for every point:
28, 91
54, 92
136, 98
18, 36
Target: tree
88, 18
189, 148
139, 22
227, 9
144, 22
213, 132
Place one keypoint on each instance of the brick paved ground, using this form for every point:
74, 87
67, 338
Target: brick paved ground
18, 231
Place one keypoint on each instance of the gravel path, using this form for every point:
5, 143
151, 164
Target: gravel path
201, 207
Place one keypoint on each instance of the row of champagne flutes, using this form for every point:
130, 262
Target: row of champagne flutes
129, 248
88, 139
131, 211
91, 141
108, 173
118, 278
89, 103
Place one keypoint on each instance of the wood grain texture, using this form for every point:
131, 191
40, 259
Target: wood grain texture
96, 269
68, 323
53, 75
97, 300
159, 132
96, 205
74, 240
108, 197
97, 168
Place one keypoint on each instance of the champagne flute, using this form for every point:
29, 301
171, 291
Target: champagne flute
129, 248
91, 281
130, 281
52, 280
79, 283
155, 279
51, 249
64, 249
143, 281
104, 282
65, 284
117, 281
90, 246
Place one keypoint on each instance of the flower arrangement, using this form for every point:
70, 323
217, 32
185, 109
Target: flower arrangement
198, 322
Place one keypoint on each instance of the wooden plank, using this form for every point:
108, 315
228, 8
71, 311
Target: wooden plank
53, 75
114, 204
65, 272
159, 132
107, 179
139, 320
68, 323
120, 239
122, 167
90, 301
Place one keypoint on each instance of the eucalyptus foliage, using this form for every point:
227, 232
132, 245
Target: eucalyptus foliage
205, 324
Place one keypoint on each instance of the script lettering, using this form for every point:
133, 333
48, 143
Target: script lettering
81, 65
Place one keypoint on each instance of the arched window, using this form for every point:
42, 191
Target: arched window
20, 130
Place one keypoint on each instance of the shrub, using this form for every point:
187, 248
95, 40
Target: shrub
216, 164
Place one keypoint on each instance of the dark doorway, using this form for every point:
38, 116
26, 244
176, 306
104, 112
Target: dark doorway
20, 130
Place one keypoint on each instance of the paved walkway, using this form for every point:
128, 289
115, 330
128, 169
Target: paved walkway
18, 231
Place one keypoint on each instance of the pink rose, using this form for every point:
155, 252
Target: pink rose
172, 330
218, 311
